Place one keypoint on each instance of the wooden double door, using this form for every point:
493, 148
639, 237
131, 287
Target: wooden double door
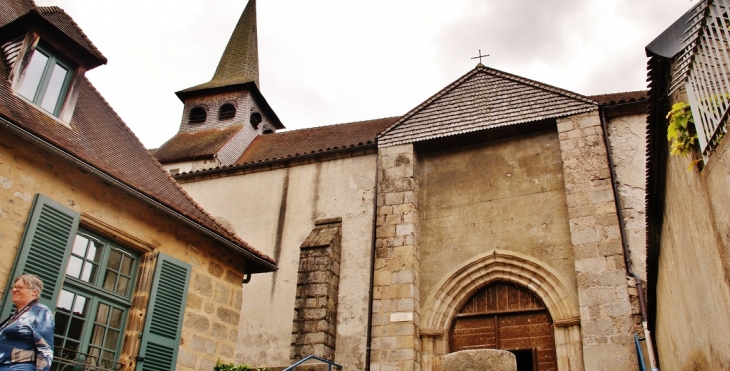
507, 316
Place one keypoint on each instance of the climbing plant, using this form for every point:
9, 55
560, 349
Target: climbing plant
680, 133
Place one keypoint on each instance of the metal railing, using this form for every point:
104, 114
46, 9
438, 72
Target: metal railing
72, 360
328, 362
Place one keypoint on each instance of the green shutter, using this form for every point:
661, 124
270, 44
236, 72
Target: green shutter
44, 249
162, 328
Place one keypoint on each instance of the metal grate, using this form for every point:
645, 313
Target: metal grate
71, 360
703, 66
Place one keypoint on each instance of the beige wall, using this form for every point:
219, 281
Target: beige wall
505, 195
693, 288
627, 135
275, 211
213, 306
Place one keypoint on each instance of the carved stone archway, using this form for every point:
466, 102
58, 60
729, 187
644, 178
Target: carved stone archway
441, 307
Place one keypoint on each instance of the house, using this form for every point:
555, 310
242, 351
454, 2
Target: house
500, 213
138, 274
687, 208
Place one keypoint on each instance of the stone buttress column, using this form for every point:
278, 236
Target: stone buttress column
603, 291
315, 311
395, 331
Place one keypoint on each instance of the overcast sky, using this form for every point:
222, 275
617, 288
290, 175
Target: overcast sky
324, 62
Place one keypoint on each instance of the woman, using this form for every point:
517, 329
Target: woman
26, 338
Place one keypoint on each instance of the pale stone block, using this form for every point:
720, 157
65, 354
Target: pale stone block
565, 125
394, 198
383, 277
404, 229
480, 360
403, 276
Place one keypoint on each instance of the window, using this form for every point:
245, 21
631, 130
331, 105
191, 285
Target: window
198, 114
88, 282
46, 80
256, 119
227, 111
93, 304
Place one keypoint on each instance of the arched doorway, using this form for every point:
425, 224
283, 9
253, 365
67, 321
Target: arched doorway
505, 315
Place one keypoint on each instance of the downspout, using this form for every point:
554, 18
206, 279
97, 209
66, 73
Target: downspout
624, 244
138, 194
368, 344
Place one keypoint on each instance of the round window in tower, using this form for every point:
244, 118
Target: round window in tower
256, 119
227, 111
198, 114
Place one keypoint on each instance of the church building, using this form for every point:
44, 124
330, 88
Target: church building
501, 212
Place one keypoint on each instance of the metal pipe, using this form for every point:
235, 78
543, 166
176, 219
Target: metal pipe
624, 243
368, 335
138, 194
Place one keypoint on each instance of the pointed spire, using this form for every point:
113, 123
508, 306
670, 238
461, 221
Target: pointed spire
241, 57
239, 63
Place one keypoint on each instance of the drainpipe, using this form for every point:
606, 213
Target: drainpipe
368, 349
624, 244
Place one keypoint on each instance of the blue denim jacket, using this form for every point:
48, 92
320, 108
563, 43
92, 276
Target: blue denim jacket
29, 338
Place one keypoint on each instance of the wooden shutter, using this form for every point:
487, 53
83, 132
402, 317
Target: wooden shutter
162, 328
44, 249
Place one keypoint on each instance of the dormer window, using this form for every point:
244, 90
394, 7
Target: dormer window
45, 80
227, 111
198, 114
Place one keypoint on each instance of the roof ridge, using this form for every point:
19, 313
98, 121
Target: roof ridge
49, 9
338, 124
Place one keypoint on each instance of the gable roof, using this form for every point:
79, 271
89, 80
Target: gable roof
99, 140
484, 98
195, 144
239, 63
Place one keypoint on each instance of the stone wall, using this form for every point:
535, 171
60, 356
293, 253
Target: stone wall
396, 292
212, 313
314, 331
607, 322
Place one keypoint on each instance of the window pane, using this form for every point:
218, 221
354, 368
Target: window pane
93, 256
53, 91
62, 321
65, 300
80, 306
80, 245
126, 265
112, 337
110, 280
114, 258
74, 267
33, 74
97, 336
89, 273
122, 286
74, 331
102, 313
116, 319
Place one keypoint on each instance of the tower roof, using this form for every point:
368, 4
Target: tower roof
239, 63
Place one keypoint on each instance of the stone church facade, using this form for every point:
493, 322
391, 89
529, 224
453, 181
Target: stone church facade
500, 213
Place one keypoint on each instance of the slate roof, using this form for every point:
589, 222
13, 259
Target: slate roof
621, 98
320, 139
481, 99
239, 63
196, 144
99, 138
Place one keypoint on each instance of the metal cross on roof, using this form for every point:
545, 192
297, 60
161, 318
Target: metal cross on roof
480, 56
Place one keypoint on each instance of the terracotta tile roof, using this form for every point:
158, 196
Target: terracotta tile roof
621, 98
196, 144
481, 99
98, 137
320, 139
65, 23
